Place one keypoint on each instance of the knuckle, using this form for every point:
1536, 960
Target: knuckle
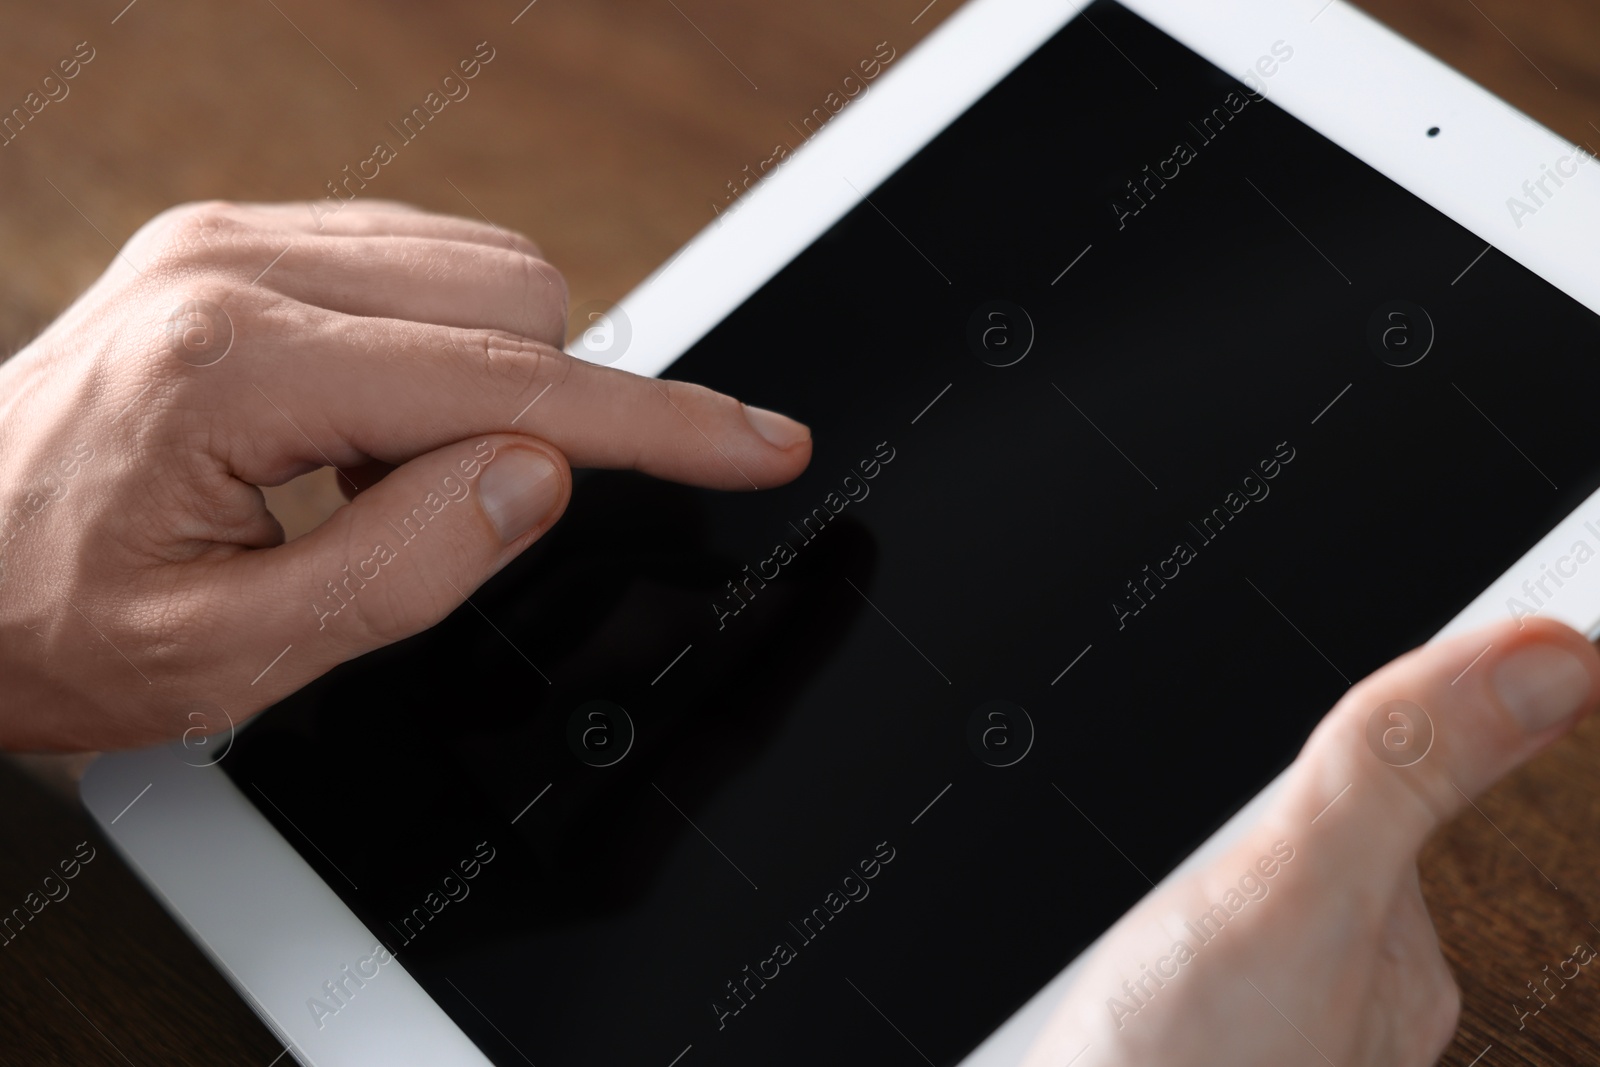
542, 284
1357, 737
513, 362
676, 393
526, 245
681, 397
687, 397
213, 208
161, 222
172, 623
386, 612
205, 228
384, 618
357, 613
199, 233
497, 350
199, 323
696, 412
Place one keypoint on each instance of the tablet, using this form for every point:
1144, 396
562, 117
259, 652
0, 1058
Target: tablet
1169, 370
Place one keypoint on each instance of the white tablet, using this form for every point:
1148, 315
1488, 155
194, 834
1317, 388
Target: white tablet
1171, 366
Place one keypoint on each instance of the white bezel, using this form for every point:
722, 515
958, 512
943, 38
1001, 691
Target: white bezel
278, 932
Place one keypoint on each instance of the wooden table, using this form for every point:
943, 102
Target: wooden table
606, 130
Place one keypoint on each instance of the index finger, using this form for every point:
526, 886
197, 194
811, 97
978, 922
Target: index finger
363, 388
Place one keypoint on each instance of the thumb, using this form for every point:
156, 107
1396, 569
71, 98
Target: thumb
395, 560
1411, 745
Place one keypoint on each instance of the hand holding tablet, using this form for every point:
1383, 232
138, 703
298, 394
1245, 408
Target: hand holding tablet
235, 346
1316, 914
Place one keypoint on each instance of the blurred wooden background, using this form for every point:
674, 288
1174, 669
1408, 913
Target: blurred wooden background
605, 129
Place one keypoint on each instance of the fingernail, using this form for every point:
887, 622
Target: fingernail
518, 490
1542, 685
778, 430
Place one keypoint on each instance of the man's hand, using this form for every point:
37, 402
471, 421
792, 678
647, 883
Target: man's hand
235, 346
1309, 942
